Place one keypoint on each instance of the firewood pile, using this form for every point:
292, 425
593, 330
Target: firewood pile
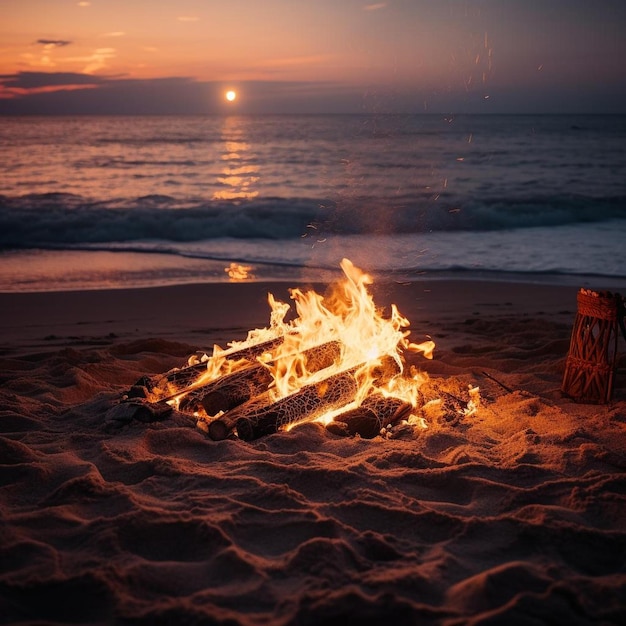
340, 362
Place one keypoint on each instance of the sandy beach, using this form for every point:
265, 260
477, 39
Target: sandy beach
516, 515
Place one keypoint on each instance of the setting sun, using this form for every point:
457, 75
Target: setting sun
231, 95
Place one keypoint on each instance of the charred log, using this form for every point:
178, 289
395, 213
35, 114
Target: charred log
229, 391
309, 402
256, 418
185, 376
222, 427
375, 413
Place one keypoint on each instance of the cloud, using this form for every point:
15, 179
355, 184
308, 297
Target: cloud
48, 46
76, 93
53, 43
188, 18
84, 4
375, 7
115, 33
80, 93
56, 93
37, 80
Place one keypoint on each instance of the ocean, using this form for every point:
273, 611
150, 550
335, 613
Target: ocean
102, 202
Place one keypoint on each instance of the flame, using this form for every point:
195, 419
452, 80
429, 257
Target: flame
364, 342
347, 315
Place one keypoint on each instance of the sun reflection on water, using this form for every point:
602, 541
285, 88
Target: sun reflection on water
238, 273
239, 176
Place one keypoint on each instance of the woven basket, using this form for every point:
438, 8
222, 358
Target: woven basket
591, 362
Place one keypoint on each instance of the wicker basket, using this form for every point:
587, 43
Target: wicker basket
591, 362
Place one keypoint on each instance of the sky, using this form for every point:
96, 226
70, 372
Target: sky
312, 56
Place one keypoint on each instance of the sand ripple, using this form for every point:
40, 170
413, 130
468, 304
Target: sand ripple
516, 516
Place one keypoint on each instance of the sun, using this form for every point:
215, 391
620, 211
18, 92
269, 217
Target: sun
231, 95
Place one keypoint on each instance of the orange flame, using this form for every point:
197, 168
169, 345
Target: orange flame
347, 316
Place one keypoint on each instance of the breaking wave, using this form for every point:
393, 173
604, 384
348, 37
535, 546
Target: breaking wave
58, 220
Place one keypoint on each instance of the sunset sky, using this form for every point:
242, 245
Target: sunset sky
164, 56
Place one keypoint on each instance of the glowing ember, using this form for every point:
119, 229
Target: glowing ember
340, 361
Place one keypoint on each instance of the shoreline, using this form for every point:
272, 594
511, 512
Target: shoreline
295, 276
207, 313
492, 256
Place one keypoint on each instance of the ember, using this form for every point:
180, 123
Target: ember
339, 362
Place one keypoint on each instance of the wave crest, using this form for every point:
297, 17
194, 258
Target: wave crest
51, 220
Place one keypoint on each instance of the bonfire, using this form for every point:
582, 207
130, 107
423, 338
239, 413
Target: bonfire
339, 361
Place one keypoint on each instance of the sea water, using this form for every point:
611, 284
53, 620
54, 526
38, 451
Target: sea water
95, 202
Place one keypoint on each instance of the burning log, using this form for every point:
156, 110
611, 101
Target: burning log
185, 376
256, 418
310, 402
227, 391
233, 389
375, 413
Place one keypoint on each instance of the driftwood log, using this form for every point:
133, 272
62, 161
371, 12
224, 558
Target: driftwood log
256, 417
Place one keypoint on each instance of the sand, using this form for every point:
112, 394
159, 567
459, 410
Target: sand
516, 515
